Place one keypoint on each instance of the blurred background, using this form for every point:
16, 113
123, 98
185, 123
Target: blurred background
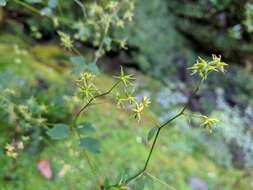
164, 37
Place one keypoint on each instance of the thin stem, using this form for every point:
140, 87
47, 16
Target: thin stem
106, 29
88, 160
74, 129
27, 6
37, 11
80, 4
93, 98
160, 181
141, 172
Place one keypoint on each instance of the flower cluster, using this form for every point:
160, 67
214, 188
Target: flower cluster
13, 149
205, 121
128, 98
139, 107
126, 79
86, 85
203, 67
31, 112
208, 122
65, 40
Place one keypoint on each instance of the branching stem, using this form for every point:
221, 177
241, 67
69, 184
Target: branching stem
142, 171
93, 99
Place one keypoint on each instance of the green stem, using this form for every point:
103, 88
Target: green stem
93, 98
138, 174
81, 5
37, 11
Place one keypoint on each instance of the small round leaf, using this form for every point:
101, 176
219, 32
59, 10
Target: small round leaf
85, 128
59, 131
90, 144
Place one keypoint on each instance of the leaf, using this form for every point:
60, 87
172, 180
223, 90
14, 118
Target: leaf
90, 144
59, 131
77, 60
85, 128
3, 3
108, 43
151, 133
79, 64
92, 67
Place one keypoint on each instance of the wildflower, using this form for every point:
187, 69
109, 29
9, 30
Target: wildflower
40, 120
119, 99
124, 78
218, 64
66, 40
128, 16
130, 98
203, 68
20, 145
200, 67
145, 101
86, 76
138, 111
123, 44
88, 90
120, 23
208, 122
85, 84
10, 151
112, 5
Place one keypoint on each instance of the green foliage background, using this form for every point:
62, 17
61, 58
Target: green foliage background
163, 39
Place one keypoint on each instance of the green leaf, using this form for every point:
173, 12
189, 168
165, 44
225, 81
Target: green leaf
3, 3
79, 64
85, 128
108, 43
59, 131
77, 60
92, 67
151, 133
90, 144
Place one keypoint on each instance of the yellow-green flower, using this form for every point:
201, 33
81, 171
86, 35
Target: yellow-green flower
138, 111
10, 151
88, 90
145, 101
208, 122
218, 64
65, 40
203, 68
129, 97
87, 76
128, 15
124, 78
